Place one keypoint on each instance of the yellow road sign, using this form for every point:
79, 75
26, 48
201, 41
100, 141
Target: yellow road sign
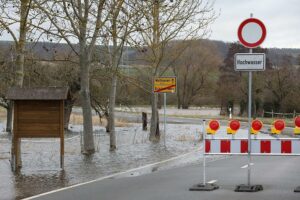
164, 84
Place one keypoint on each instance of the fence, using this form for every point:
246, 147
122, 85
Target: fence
273, 114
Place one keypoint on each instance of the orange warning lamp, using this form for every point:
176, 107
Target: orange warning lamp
278, 126
297, 126
256, 125
213, 126
233, 126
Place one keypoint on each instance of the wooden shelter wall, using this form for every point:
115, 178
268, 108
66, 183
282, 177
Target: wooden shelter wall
38, 118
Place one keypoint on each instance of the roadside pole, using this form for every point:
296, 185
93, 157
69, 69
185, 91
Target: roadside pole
165, 118
249, 122
251, 34
165, 84
204, 157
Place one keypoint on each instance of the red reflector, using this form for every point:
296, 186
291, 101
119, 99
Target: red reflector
279, 124
214, 125
297, 121
234, 125
256, 125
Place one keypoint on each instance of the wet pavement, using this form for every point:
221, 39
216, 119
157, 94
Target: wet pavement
40, 158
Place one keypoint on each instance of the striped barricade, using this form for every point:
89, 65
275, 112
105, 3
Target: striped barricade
272, 146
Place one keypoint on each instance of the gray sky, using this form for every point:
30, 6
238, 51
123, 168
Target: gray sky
281, 18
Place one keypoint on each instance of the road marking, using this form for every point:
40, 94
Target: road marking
212, 181
246, 166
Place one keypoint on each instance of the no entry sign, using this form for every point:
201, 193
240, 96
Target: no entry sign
252, 32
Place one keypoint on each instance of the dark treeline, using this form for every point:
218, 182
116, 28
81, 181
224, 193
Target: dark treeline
204, 70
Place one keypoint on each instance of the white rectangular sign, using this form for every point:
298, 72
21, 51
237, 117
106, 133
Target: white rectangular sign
249, 61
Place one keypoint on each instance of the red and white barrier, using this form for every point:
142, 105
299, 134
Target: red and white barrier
273, 146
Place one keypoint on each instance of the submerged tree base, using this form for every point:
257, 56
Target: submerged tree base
88, 152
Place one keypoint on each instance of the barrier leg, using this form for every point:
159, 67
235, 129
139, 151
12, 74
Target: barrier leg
204, 186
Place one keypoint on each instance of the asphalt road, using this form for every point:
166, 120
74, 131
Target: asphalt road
278, 175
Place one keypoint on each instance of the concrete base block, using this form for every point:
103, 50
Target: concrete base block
248, 188
297, 189
204, 187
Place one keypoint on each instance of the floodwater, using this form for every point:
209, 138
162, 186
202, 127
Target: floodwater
40, 158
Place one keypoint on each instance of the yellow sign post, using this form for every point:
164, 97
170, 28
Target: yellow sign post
164, 84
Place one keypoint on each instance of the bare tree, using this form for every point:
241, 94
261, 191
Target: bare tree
17, 13
77, 22
163, 22
122, 18
280, 82
196, 70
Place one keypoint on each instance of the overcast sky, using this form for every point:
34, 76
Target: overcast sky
281, 18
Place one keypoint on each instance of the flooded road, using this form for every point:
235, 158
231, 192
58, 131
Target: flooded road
40, 158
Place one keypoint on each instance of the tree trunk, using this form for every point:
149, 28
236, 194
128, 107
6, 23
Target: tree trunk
144, 121
185, 106
154, 129
88, 138
9, 117
107, 124
68, 110
20, 48
112, 102
159, 101
178, 98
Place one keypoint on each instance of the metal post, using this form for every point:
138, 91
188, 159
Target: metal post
249, 119
204, 148
249, 124
165, 120
249, 187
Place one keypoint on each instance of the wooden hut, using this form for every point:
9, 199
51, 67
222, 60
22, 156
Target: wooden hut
38, 112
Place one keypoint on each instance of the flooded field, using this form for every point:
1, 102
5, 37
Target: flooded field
40, 157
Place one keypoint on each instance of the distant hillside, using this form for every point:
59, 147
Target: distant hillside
50, 51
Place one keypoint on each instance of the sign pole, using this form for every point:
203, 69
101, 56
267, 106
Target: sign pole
249, 124
244, 39
165, 120
204, 148
249, 119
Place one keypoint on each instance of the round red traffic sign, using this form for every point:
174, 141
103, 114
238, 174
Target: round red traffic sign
252, 32
256, 125
297, 121
214, 125
234, 125
279, 124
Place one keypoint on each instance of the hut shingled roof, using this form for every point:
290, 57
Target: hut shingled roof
40, 93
